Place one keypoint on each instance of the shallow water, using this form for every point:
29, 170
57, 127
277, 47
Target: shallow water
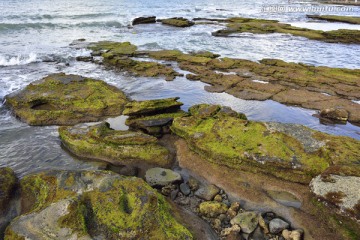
35, 37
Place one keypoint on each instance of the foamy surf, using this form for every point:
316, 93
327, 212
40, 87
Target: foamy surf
17, 60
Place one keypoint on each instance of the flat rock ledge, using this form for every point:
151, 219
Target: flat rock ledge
61, 99
100, 142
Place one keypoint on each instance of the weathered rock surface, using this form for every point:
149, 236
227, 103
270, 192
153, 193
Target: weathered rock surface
207, 192
161, 176
263, 26
92, 205
114, 146
61, 99
341, 191
256, 147
177, 22
277, 225
247, 221
144, 20
335, 114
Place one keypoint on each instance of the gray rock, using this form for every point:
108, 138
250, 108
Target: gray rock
161, 176
207, 192
277, 225
248, 221
185, 189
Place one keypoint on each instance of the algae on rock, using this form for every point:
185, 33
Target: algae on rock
255, 147
263, 26
61, 99
92, 205
118, 147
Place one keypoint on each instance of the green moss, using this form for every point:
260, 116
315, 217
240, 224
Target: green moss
66, 99
165, 54
118, 147
212, 209
11, 235
75, 219
177, 22
263, 26
244, 145
113, 48
8, 183
151, 106
119, 210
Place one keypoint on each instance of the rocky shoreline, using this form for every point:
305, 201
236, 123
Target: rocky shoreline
241, 179
333, 91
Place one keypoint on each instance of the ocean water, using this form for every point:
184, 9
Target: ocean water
35, 37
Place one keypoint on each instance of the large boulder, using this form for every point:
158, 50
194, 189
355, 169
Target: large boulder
61, 99
288, 151
118, 147
92, 205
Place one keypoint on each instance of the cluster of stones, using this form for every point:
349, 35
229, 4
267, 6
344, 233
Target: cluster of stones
288, 83
211, 203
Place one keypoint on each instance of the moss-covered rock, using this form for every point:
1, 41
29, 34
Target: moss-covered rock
92, 205
263, 26
177, 22
149, 107
118, 147
287, 151
8, 187
118, 55
61, 99
335, 18
212, 209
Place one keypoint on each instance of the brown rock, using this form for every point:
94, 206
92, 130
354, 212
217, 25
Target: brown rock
335, 113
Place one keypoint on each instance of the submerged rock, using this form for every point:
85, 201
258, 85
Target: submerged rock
61, 99
161, 176
118, 147
177, 22
144, 20
92, 205
256, 147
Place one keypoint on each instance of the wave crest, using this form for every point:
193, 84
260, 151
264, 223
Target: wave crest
17, 60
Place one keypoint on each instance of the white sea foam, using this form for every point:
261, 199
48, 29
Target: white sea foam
17, 60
